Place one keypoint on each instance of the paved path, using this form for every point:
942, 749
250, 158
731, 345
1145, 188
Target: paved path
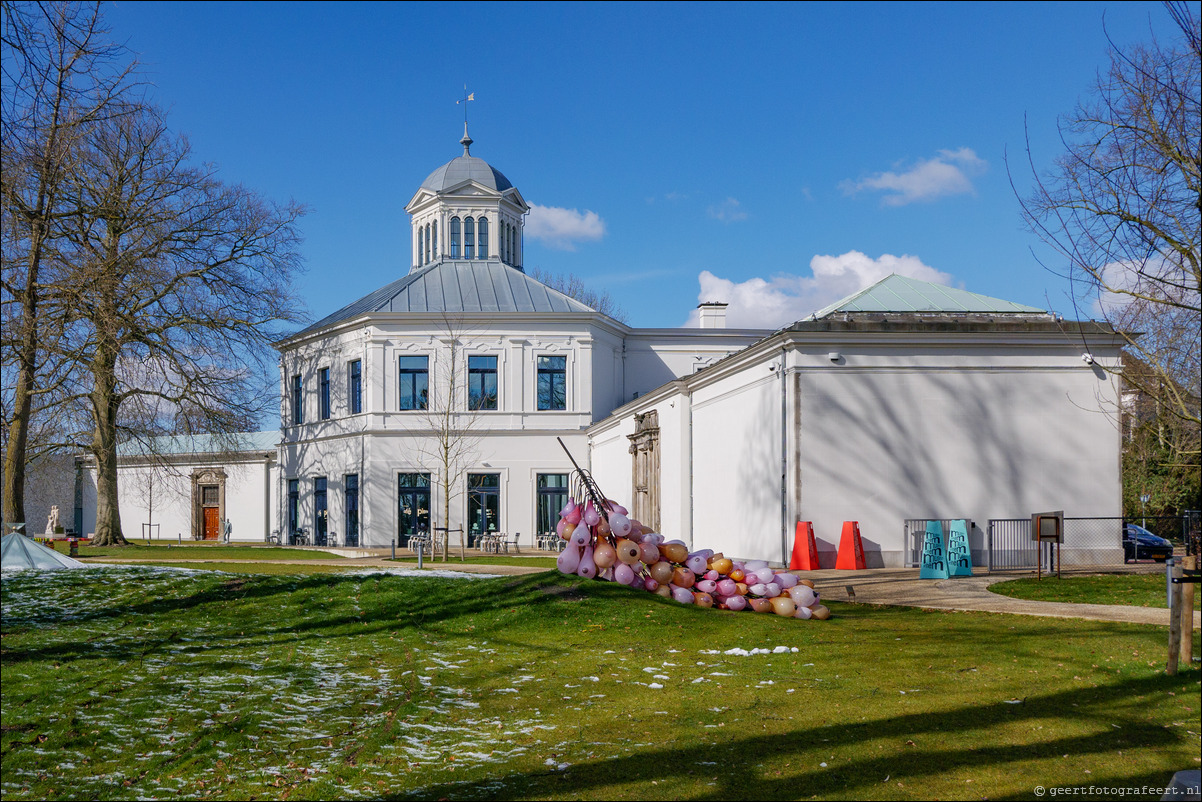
902, 587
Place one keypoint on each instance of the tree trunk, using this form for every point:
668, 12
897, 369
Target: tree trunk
104, 447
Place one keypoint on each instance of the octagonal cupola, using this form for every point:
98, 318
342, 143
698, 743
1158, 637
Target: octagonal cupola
466, 210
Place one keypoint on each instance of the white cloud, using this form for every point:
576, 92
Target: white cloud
728, 211
782, 299
563, 228
948, 173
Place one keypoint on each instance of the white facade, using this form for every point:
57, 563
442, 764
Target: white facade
878, 422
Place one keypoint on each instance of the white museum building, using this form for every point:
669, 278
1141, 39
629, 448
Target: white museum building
907, 400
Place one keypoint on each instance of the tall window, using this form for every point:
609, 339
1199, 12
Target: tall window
482, 382
552, 496
434, 238
454, 237
355, 386
469, 238
413, 506
552, 382
513, 244
482, 238
483, 504
323, 397
421, 235
298, 401
293, 507
350, 484
415, 382
427, 243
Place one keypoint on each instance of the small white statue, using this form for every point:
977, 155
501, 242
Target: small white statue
52, 521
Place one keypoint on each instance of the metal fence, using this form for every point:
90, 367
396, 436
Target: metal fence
1006, 544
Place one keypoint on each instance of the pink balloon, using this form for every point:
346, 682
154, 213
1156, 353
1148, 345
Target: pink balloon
803, 595
568, 560
649, 553
706, 586
588, 568
623, 574
786, 581
696, 564
755, 565
562, 527
582, 536
758, 589
803, 612
616, 507
773, 590
713, 575
765, 575
735, 603
650, 584
567, 508
619, 524
727, 587
573, 516
591, 516
682, 595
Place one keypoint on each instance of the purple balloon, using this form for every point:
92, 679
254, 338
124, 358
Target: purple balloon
568, 560
588, 568
623, 574
619, 524
773, 590
755, 565
765, 575
712, 575
735, 603
649, 553
650, 584
581, 536
727, 587
682, 595
803, 612
758, 589
591, 516
803, 595
696, 564
706, 586
567, 508
786, 581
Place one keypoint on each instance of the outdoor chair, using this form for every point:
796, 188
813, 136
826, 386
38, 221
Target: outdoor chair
506, 542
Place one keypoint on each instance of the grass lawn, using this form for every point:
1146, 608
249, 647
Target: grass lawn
140, 682
1136, 590
193, 550
488, 559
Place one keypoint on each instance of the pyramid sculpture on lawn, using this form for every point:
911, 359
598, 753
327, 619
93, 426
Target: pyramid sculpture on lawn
20, 553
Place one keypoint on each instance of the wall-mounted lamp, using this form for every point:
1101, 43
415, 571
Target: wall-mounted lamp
1087, 358
834, 356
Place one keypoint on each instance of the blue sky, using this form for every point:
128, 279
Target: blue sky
773, 156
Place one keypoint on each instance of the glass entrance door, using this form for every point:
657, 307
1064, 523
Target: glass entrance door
413, 506
483, 505
321, 512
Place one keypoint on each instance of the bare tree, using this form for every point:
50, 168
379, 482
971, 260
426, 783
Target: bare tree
177, 285
60, 77
451, 430
573, 286
1123, 208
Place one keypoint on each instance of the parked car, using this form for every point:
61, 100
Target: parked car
1140, 544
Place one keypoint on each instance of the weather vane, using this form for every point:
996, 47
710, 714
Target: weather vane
466, 98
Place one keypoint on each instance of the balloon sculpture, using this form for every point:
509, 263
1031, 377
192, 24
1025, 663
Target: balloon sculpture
603, 542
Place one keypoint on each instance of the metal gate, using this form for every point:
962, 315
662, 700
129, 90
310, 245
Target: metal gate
1009, 545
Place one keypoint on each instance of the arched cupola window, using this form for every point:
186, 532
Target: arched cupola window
504, 241
483, 239
434, 238
469, 238
513, 245
421, 234
454, 237
427, 243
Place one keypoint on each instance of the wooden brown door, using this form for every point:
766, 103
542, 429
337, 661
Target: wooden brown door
212, 523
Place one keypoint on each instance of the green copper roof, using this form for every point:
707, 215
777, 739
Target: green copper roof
899, 294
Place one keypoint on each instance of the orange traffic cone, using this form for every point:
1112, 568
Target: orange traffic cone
805, 552
851, 550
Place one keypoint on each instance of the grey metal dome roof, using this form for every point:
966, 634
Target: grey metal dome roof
464, 168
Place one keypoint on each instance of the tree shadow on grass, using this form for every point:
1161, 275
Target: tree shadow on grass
923, 746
